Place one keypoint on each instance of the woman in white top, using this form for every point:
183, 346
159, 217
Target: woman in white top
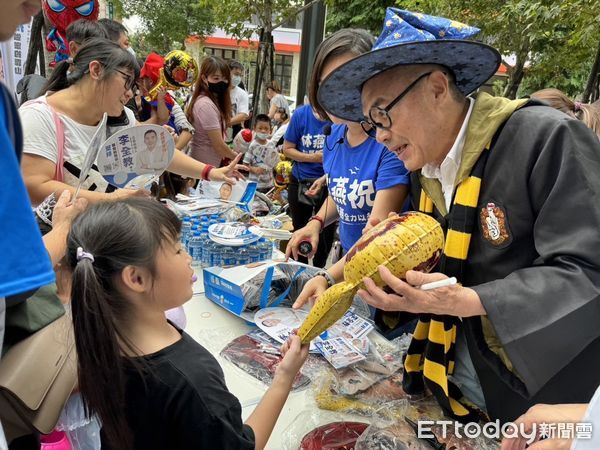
100, 81
282, 119
276, 99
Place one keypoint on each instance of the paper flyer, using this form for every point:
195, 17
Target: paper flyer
241, 193
339, 352
136, 156
279, 323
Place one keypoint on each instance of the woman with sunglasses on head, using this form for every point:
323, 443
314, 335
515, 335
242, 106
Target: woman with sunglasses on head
210, 111
100, 81
365, 180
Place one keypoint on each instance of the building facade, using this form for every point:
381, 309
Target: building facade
286, 62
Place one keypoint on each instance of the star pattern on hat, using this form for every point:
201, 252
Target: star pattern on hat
460, 67
458, 25
380, 66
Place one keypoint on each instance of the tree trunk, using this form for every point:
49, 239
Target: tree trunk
257, 96
591, 89
271, 60
257, 80
516, 76
268, 75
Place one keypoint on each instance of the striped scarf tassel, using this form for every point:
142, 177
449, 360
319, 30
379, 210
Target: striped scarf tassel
431, 354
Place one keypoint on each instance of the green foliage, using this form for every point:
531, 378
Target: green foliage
554, 41
355, 14
232, 15
141, 45
166, 23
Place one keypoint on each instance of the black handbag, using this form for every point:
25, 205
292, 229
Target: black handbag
303, 186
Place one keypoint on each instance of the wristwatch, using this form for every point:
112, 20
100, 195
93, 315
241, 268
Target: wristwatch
330, 280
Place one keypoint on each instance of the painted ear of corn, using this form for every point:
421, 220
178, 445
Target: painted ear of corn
410, 241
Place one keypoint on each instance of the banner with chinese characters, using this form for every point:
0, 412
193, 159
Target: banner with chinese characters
14, 55
135, 157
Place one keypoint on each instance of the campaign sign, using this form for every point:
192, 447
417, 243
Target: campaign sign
136, 156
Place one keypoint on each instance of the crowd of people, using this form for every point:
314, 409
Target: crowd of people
391, 124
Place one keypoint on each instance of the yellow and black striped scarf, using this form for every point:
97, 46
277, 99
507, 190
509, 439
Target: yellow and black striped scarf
430, 357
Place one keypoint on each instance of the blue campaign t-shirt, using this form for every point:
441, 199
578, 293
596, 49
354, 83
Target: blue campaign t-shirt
25, 264
354, 175
306, 131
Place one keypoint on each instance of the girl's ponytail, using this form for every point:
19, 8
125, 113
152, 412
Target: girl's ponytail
100, 366
103, 241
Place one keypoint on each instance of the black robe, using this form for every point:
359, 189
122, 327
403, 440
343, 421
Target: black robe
536, 268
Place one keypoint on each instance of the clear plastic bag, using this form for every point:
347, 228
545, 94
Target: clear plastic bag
398, 436
372, 387
315, 429
286, 284
83, 432
333, 435
258, 355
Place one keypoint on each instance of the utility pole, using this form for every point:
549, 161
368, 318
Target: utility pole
313, 31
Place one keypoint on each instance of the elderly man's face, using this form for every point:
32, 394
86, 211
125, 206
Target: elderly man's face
412, 135
15, 13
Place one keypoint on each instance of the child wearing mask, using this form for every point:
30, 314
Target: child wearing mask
262, 155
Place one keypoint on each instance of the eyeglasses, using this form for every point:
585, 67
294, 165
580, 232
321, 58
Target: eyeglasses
379, 117
129, 80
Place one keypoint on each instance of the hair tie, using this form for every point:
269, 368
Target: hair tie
577, 107
81, 255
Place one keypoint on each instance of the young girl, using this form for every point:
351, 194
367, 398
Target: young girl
210, 111
152, 385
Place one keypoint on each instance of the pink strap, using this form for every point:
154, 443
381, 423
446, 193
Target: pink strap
60, 138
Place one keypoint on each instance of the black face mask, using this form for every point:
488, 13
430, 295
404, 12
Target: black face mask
218, 88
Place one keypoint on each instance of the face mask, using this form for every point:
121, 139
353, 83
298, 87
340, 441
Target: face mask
218, 88
236, 80
131, 50
262, 136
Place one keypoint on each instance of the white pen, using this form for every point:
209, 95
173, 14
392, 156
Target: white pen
438, 284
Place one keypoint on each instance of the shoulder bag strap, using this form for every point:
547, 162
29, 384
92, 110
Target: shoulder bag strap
60, 138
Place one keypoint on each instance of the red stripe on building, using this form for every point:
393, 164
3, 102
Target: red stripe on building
233, 43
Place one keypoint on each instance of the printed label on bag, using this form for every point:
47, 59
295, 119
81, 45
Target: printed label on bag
339, 352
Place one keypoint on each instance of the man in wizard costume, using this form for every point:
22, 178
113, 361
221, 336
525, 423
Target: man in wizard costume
515, 185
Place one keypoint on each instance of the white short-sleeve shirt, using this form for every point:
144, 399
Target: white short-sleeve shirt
40, 139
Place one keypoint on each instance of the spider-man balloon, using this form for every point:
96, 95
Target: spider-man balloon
61, 13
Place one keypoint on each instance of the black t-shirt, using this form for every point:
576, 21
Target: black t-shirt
185, 403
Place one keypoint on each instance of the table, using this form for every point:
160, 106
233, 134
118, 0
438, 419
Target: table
213, 327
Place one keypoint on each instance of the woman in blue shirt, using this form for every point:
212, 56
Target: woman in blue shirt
365, 180
27, 260
303, 144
